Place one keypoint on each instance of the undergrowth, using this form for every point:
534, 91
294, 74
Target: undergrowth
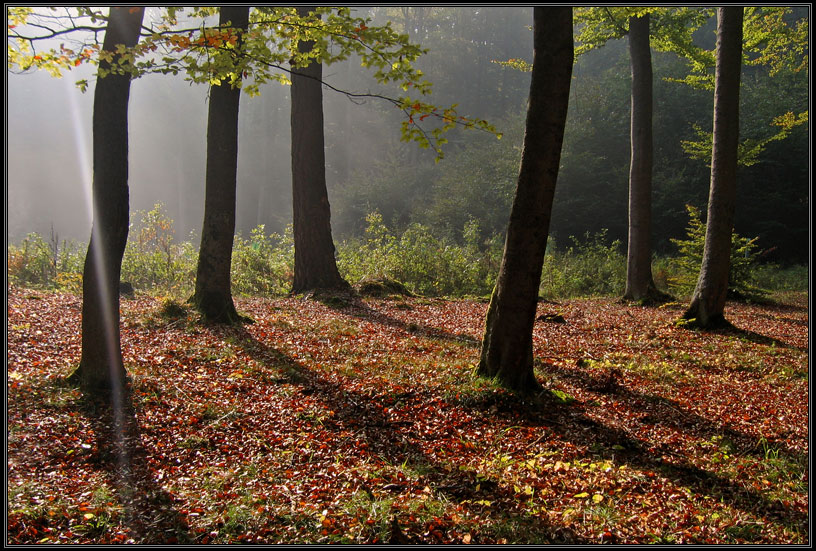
155, 262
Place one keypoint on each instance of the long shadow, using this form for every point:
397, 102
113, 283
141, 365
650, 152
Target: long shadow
394, 442
754, 337
770, 304
149, 511
792, 321
571, 422
662, 411
355, 306
763, 339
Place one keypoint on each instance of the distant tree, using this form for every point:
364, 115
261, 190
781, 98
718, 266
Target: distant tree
507, 346
101, 369
213, 294
315, 265
708, 301
639, 281
598, 26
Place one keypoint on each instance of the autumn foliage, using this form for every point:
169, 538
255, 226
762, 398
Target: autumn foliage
343, 419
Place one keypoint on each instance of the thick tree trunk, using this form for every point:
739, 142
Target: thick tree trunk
315, 265
639, 282
507, 347
101, 369
708, 302
213, 293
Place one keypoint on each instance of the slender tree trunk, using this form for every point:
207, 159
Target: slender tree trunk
101, 369
708, 302
507, 347
213, 293
315, 265
639, 282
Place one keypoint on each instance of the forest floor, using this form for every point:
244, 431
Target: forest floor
360, 421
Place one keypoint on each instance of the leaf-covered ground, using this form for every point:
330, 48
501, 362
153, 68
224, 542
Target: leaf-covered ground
361, 421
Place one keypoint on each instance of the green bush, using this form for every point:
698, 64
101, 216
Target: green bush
777, 278
153, 260
32, 262
422, 262
588, 268
686, 266
36, 262
263, 264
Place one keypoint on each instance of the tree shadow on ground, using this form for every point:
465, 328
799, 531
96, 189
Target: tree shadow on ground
149, 511
756, 338
398, 445
354, 305
572, 423
364, 414
792, 321
770, 303
658, 410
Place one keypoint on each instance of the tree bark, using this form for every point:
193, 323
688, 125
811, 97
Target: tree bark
213, 292
315, 265
639, 281
101, 369
507, 347
708, 302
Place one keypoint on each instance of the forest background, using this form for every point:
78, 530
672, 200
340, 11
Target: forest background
381, 187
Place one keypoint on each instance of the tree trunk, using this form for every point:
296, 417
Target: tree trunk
639, 282
315, 265
101, 369
213, 292
507, 347
708, 302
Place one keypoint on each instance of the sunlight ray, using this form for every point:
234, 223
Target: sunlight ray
86, 170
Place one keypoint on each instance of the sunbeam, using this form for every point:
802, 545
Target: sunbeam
110, 321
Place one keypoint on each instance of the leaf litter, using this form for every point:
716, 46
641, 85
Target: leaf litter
361, 421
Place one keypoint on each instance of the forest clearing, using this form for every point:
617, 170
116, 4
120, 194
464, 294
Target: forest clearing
349, 419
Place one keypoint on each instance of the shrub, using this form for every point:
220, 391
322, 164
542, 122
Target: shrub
417, 258
153, 260
587, 268
424, 263
263, 264
687, 264
37, 263
778, 278
32, 262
